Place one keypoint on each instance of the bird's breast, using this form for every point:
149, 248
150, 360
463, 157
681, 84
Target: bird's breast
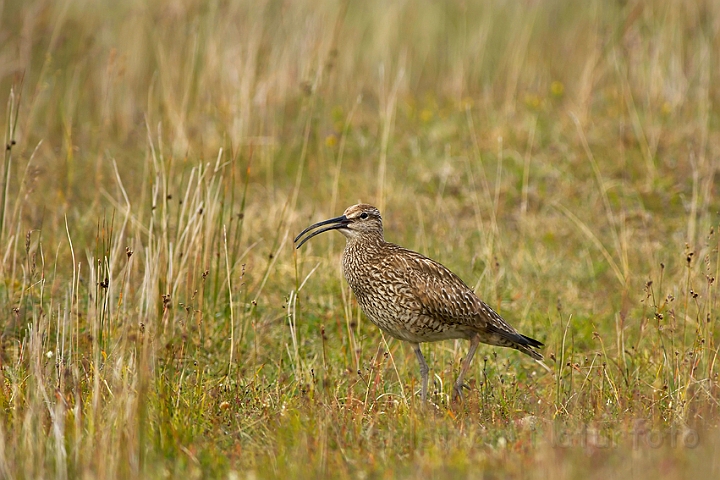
386, 298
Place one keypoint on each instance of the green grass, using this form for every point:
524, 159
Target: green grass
160, 158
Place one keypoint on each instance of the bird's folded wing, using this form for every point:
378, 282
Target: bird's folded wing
441, 293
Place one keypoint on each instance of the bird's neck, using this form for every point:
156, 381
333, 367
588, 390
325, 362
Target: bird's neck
364, 245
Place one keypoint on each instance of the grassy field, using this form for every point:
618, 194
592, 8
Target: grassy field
160, 157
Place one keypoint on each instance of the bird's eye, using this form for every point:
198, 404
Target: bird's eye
364, 215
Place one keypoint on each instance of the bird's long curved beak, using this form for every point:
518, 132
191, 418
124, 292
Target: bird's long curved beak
332, 224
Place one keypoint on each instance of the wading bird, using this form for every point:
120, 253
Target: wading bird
410, 296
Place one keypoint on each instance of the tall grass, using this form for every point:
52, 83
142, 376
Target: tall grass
160, 157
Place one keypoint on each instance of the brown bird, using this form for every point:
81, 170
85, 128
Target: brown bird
412, 297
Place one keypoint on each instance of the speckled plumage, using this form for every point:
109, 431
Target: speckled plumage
412, 297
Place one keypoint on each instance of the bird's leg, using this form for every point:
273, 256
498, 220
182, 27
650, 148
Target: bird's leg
457, 389
424, 370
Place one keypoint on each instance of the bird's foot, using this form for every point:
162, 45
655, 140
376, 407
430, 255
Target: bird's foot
458, 392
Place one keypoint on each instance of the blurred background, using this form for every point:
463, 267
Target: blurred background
95, 78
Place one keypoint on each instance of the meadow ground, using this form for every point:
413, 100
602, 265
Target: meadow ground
160, 157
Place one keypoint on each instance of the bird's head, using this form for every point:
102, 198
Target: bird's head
357, 221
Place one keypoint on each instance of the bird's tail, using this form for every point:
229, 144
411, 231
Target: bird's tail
527, 344
528, 350
510, 338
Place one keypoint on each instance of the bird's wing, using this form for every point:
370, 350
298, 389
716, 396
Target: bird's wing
440, 293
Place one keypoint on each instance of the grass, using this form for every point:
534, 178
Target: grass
160, 157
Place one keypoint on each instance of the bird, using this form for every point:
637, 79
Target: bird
412, 297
